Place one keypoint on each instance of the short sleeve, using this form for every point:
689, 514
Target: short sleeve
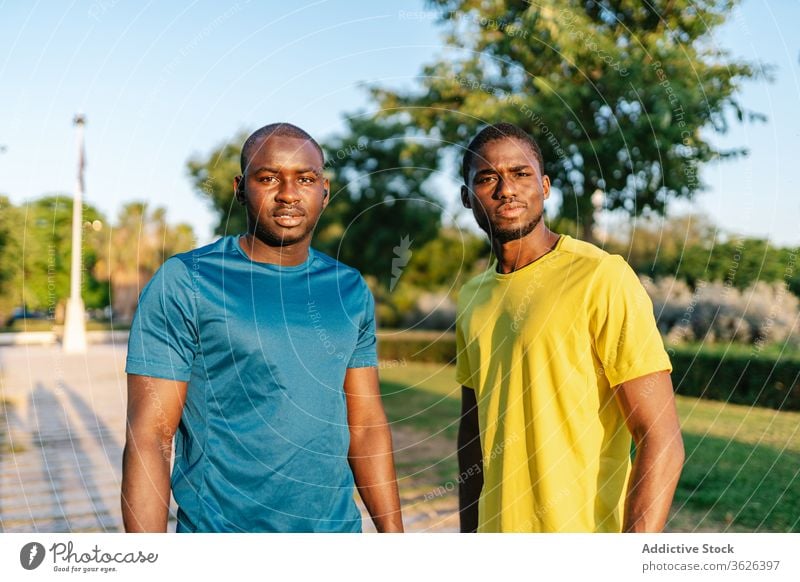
163, 338
624, 329
465, 375
365, 354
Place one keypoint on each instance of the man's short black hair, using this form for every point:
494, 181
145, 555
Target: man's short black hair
492, 133
274, 130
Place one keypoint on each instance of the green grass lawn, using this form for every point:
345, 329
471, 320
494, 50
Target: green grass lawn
425, 399
742, 470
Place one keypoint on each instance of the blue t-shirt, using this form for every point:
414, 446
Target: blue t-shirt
263, 439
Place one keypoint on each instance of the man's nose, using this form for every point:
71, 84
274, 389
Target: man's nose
504, 190
287, 193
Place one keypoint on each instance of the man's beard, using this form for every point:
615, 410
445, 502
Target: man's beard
504, 235
275, 239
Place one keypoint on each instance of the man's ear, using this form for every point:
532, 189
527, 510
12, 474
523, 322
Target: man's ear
238, 189
465, 201
546, 186
326, 195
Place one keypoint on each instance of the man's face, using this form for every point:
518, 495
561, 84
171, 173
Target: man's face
505, 189
283, 190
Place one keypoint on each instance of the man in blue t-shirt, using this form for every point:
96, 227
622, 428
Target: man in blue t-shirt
257, 354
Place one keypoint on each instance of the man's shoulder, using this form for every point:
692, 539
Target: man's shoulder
597, 262
341, 271
180, 265
582, 250
221, 245
602, 271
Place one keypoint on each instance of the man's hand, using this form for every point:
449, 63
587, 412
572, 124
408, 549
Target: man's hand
470, 462
154, 410
370, 453
648, 404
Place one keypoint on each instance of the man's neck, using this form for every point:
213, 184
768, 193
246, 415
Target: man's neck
516, 254
284, 256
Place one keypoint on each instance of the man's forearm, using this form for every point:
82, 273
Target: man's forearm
372, 463
656, 470
145, 486
470, 480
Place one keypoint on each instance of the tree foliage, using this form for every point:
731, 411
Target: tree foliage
10, 253
212, 177
43, 278
36, 252
380, 196
448, 261
621, 95
139, 243
692, 249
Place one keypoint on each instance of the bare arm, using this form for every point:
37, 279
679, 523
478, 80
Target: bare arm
154, 410
370, 455
648, 404
470, 462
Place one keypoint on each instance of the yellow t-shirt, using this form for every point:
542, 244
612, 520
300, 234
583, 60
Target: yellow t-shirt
542, 348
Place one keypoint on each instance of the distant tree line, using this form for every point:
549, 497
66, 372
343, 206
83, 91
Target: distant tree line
118, 258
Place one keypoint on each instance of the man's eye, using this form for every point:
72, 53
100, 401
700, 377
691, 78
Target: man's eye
485, 179
267, 179
306, 180
523, 174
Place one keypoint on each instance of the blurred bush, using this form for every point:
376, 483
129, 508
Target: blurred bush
762, 314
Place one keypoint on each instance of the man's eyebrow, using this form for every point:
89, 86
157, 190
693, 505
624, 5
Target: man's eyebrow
309, 170
316, 171
493, 170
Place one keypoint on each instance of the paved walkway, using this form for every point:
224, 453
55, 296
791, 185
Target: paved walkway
62, 431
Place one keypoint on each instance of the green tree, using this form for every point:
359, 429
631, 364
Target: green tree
738, 262
381, 196
10, 253
448, 261
212, 177
139, 243
693, 249
45, 231
656, 246
622, 95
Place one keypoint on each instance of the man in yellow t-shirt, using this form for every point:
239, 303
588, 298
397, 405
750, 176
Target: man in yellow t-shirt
560, 362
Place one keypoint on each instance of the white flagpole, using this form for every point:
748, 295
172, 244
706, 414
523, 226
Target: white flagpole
75, 320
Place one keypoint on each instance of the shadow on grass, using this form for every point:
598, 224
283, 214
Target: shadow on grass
726, 482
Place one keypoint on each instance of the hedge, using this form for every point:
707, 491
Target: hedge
742, 378
736, 375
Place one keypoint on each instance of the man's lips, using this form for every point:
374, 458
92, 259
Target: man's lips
511, 210
288, 217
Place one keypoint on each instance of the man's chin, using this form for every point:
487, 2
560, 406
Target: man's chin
511, 233
284, 237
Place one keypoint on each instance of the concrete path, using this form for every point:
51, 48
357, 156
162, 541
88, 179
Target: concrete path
62, 430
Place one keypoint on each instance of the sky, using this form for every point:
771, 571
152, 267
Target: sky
160, 82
